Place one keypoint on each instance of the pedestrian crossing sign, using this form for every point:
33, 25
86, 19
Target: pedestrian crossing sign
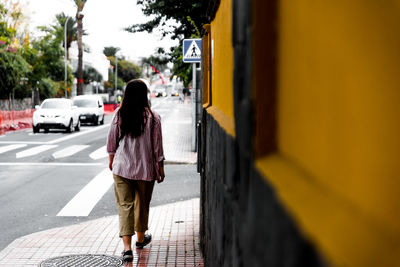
192, 50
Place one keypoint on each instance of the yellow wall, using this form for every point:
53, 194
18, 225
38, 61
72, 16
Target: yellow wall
338, 164
222, 67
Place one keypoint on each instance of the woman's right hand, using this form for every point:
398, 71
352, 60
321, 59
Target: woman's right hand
110, 162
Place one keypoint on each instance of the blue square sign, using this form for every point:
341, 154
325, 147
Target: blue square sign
192, 50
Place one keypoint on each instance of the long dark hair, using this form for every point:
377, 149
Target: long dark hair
133, 108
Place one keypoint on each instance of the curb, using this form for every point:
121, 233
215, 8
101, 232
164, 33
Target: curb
171, 162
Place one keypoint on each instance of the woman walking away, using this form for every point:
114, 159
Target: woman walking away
136, 156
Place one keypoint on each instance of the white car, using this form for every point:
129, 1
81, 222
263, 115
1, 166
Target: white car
56, 113
91, 108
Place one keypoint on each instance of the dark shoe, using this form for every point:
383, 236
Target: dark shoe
147, 240
127, 255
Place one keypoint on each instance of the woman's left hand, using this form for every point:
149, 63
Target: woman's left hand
160, 178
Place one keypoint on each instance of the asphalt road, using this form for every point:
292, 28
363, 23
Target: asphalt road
55, 179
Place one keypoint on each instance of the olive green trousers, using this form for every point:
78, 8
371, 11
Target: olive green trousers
133, 202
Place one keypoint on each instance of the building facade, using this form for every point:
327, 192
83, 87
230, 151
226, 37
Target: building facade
300, 133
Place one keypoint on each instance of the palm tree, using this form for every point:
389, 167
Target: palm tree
72, 30
80, 4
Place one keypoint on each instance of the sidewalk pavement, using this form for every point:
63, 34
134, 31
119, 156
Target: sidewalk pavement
175, 230
177, 135
175, 227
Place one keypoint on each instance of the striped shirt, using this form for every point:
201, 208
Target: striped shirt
133, 156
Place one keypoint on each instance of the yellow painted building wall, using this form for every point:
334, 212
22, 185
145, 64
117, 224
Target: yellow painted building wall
337, 167
222, 67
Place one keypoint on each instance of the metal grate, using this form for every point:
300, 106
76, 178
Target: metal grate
83, 260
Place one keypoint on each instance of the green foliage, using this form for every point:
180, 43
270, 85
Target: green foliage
37, 65
12, 68
111, 82
190, 17
159, 60
50, 61
181, 69
197, 32
172, 10
59, 29
90, 74
12, 65
110, 51
127, 70
48, 88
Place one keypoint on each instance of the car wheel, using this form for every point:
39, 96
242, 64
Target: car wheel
70, 127
78, 126
96, 120
35, 129
102, 121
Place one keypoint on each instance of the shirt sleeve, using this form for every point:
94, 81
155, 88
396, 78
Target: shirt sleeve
157, 140
113, 135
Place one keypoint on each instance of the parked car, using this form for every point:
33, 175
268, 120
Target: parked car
148, 89
174, 92
56, 113
91, 108
160, 91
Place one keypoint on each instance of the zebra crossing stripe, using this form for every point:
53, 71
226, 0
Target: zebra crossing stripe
34, 151
83, 202
99, 153
69, 151
11, 147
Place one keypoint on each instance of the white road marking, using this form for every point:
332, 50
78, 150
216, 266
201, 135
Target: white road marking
69, 151
77, 134
159, 102
61, 164
181, 122
22, 142
83, 202
34, 150
11, 147
99, 153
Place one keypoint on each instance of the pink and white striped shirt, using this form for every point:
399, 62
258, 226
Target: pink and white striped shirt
133, 156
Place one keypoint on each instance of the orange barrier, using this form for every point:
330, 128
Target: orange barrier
109, 108
13, 120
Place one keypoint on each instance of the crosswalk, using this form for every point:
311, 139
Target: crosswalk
67, 153
86, 199
83, 202
30, 150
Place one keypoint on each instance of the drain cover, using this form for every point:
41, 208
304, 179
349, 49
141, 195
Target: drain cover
83, 260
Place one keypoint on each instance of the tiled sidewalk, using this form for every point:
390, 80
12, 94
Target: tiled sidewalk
175, 230
177, 135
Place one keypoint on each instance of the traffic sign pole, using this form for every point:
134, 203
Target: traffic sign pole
192, 54
193, 96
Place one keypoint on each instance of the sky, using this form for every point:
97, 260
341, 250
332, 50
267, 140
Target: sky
103, 21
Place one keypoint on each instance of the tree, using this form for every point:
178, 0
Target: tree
72, 30
189, 18
12, 65
164, 11
158, 60
110, 51
127, 70
47, 61
90, 74
80, 4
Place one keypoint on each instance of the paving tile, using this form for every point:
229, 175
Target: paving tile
174, 244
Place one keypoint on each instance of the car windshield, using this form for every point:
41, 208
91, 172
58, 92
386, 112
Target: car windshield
85, 103
56, 105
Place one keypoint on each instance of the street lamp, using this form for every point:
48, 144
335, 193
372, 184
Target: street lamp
116, 70
65, 57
